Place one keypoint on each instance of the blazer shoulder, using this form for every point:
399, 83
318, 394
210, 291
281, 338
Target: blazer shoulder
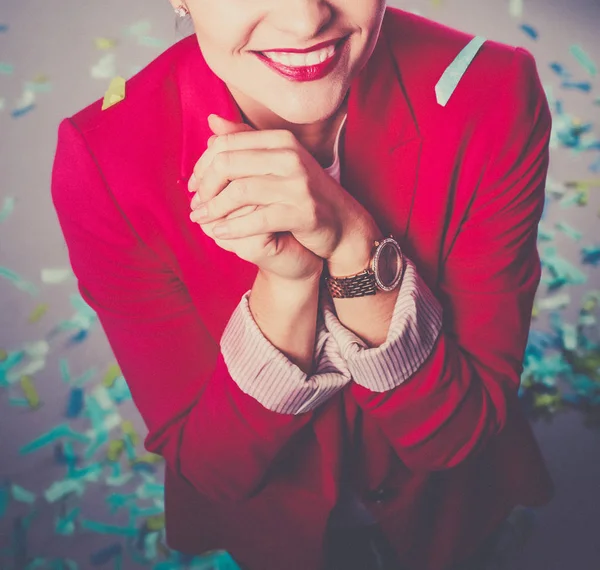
424, 49
154, 87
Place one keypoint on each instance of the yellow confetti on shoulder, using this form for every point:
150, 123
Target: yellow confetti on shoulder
105, 43
115, 93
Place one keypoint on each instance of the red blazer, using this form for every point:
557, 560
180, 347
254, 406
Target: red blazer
442, 458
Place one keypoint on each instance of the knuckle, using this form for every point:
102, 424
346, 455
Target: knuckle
292, 159
221, 161
239, 191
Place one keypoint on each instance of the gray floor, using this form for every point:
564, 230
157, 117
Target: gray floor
56, 40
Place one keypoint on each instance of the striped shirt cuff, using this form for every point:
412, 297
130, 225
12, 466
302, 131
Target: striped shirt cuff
265, 373
415, 326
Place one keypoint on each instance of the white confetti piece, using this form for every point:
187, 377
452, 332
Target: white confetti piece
454, 72
54, 276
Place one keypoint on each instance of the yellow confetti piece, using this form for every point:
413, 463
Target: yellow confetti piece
112, 373
115, 93
128, 429
583, 184
40, 79
3, 354
149, 458
535, 311
29, 391
155, 523
105, 43
38, 313
115, 449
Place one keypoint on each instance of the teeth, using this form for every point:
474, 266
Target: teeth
301, 59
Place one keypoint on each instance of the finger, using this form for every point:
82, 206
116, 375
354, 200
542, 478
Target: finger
248, 139
241, 192
231, 165
265, 220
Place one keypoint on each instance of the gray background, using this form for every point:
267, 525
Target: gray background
56, 40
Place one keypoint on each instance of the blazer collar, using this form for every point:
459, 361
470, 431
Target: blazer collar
380, 177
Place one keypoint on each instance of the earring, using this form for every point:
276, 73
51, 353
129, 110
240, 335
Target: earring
182, 11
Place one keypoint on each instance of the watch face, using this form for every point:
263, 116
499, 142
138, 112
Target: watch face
389, 266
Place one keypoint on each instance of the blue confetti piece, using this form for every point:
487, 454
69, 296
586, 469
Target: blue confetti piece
75, 403
23, 111
6, 68
106, 554
530, 31
3, 28
560, 70
591, 255
585, 86
457, 68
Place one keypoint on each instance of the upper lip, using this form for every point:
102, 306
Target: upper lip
307, 50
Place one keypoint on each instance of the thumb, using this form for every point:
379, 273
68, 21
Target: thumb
221, 126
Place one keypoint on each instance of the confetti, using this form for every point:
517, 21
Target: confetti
454, 72
115, 93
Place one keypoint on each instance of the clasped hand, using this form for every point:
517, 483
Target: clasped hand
265, 182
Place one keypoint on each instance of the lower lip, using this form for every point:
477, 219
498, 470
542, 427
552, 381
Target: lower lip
309, 72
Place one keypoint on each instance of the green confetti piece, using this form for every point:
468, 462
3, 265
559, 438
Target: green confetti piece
22, 495
457, 68
584, 59
6, 68
7, 208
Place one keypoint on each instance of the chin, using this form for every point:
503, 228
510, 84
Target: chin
307, 114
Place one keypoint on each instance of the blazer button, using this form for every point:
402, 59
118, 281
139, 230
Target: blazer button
379, 495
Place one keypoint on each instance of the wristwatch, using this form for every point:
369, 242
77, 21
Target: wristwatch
384, 272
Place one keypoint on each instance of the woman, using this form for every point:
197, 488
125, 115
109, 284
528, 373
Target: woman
310, 422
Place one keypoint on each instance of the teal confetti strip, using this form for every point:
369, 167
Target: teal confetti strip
57, 432
18, 281
584, 59
4, 500
150, 41
6, 68
568, 230
60, 489
8, 208
18, 402
66, 525
454, 72
22, 495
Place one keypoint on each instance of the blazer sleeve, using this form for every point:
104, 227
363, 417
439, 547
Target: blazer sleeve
457, 400
220, 439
